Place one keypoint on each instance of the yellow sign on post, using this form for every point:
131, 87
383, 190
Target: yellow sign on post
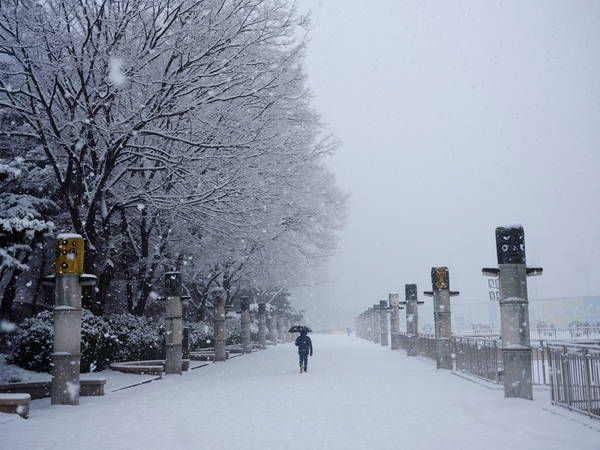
69, 254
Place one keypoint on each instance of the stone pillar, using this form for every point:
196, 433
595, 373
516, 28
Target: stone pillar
174, 323
412, 318
514, 310
219, 324
185, 343
376, 324
245, 312
441, 293
383, 323
394, 304
273, 327
66, 355
262, 325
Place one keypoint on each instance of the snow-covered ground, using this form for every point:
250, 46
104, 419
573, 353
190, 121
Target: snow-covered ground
355, 396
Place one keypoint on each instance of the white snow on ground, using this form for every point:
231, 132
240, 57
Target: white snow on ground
355, 396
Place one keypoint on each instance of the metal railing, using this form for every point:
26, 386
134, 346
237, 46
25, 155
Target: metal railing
426, 345
481, 357
565, 334
575, 377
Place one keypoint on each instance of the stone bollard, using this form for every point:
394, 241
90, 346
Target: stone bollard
245, 312
185, 343
174, 323
66, 355
441, 293
394, 305
219, 324
262, 325
376, 324
412, 318
280, 329
512, 272
273, 327
383, 323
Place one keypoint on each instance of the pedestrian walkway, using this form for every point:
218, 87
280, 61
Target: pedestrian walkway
355, 396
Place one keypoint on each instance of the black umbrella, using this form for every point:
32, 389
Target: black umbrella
299, 329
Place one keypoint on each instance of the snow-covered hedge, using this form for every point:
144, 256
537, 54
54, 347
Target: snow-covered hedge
120, 337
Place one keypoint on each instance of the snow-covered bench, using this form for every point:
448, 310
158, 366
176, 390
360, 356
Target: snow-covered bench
15, 404
89, 386
152, 367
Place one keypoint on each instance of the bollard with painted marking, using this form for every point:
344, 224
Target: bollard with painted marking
394, 305
174, 323
383, 323
245, 312
262, 325
218, 295
66, 355
412, 318
441, 293
512, 272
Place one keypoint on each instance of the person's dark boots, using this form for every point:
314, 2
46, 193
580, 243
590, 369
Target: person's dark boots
300, 369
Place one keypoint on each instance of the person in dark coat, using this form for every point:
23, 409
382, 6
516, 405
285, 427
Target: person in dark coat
304, 345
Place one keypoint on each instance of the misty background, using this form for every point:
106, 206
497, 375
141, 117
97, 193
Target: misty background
454, 118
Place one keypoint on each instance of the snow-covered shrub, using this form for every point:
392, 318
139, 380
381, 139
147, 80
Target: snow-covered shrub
137, 338
32, 344
98, 343
233, 330
201, 335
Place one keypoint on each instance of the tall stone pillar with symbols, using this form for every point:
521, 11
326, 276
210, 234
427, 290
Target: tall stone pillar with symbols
262, 325
512, 273
440, 281
412, 318
66, 354
376, 321
383, 323
218, 295
174, 324
245, 322
394, 305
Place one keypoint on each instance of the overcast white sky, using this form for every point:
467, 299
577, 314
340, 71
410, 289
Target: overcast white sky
456, 117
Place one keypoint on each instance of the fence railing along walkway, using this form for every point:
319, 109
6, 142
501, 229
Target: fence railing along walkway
571, 370
575, 377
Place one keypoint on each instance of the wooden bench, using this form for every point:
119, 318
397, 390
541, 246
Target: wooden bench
15, 404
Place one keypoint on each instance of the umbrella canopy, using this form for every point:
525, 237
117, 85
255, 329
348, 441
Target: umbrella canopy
299, 329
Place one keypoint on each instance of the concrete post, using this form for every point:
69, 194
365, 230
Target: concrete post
262, 325
383, 323
514, 310
376, 324
412, 318
174, 323
441, 293
185, 343
66, 355
394, 304
280, 330
245, 312
272, 320
219, 324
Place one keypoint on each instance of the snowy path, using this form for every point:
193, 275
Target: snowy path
355, 396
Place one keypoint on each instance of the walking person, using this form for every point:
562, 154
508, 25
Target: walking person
305, 348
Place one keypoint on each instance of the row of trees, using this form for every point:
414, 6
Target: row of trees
171, 135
